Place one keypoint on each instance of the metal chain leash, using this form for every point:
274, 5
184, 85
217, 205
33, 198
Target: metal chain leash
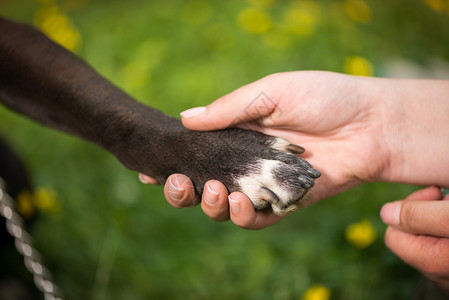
23, 242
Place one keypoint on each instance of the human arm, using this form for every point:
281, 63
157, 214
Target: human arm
354, 130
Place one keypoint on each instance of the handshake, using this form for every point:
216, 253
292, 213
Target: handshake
354, 129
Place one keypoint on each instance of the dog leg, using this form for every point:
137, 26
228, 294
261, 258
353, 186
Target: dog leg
44, 81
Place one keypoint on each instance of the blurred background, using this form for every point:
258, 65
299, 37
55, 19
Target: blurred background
107, 236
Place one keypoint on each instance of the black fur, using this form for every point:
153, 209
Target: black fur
44, 81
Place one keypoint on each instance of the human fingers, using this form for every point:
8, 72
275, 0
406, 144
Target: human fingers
147, 179
250, 102
179, 191
426, 253
215, 201
429, 217
242, 213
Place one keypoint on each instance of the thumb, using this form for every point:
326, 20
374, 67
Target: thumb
391, 212
248, 103
421, 213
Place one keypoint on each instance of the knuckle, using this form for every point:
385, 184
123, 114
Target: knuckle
411, 216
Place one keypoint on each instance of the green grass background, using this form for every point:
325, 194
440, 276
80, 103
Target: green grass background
115, 238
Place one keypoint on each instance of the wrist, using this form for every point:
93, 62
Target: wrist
415, 127
386, 106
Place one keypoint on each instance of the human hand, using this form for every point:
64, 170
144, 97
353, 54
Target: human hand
327, 113
418, 233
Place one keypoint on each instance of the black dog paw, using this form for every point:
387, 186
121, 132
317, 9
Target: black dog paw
265, 168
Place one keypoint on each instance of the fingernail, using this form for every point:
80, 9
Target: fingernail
193, 112
175, 192
234, 205
391, 212
211, 197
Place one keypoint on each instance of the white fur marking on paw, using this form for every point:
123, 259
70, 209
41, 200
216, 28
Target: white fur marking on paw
251, 184
280, 144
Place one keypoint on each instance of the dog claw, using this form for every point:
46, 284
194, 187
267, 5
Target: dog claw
269, 196
306, 181
313, 173
283, 145
295, 149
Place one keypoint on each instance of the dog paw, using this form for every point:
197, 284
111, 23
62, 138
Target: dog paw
282, 182
265, 168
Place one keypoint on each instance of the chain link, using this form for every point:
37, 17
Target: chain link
23, 242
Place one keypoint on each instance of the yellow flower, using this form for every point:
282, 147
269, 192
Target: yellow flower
358, 10
317, 292
356, 65
254, 20
25, 205
58, 26
300, 21
46, 199
361, 234
436, 5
